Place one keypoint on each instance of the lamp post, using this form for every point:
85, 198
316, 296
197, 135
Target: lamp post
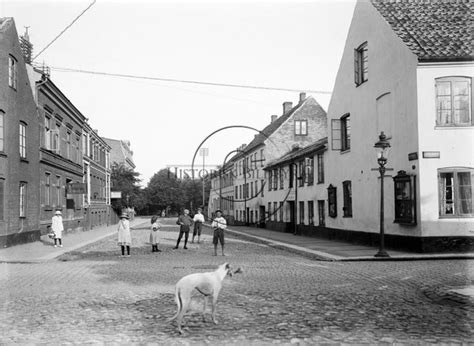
382, 147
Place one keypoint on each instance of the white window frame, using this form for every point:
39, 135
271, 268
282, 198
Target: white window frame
452, 101
22, 140
12, 72
455, 193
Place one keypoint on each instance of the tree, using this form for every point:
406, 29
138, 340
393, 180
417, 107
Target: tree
164, 191
125, 180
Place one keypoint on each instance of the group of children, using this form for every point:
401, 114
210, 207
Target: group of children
185, 222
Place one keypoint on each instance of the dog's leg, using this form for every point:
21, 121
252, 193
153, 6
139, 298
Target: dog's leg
204, 309
185, 300
214, 302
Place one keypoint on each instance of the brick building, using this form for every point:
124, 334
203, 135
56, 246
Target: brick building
96, 154
19, 142
61, 165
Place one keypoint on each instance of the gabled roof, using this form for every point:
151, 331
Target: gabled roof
434, 30
299, 153
267, 131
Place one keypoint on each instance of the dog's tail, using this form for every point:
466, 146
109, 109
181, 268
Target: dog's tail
179, 303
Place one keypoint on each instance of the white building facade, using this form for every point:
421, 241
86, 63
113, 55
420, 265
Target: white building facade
398, 79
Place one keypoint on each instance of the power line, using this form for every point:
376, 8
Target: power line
67, 27
65, 69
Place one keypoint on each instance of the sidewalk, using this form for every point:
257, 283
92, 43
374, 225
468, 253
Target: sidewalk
331, 250
43, 250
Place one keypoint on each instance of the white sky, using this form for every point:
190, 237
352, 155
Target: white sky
291, 44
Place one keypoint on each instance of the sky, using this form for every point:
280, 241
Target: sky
278, 44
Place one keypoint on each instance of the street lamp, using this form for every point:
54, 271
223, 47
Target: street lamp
382, 148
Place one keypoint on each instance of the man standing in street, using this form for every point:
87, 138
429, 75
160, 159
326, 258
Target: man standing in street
185, 222
219, 224
198, 221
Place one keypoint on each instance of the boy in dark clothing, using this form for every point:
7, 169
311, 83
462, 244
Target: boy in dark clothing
185, 222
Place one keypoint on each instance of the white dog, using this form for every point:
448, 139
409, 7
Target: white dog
208, 284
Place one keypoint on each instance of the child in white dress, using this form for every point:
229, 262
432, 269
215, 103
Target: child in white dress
154, 238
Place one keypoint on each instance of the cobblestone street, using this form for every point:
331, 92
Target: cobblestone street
93, 295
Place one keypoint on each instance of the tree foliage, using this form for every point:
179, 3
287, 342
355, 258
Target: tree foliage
125, 180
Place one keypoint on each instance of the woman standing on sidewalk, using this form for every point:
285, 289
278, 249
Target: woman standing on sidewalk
58, 228
124, 236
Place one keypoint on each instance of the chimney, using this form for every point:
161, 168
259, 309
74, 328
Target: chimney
302, 97
287, 106
273, 118
26, 47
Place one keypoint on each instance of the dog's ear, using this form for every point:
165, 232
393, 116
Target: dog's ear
227, 266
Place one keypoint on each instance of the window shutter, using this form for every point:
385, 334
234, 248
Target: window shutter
336, 134
356, 67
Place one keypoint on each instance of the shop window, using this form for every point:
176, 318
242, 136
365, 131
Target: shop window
405, 198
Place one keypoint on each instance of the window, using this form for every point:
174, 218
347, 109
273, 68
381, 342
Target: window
310, 170
55, 139
301, 127
68, 145
292, 173
22, 199
345, 133
341, 133
405, 198
251, 189
47, 189
59, 200
275, 179
275, 211
47, 132
332, 201
453, 101
321, 214
347, 197
22, 140
2, 198
269, 211
2, 131
270, 180
320, 168
262, 158
281, 174
455, 192
236, 192
301, 213
311, 212
301, 173
262, 185
256, 189
281, 212
12, 72
361, 64
84, 145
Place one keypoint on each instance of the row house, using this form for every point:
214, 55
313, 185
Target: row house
296, 191
61, 161
96, 177
302, 124
407, 71
221, 195
42, 141
19, 142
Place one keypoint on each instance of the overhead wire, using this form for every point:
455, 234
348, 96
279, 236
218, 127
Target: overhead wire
230, 85
64, 30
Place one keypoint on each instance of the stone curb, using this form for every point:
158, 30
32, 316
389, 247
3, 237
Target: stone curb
319, 255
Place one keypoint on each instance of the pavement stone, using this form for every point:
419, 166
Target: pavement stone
92, 295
